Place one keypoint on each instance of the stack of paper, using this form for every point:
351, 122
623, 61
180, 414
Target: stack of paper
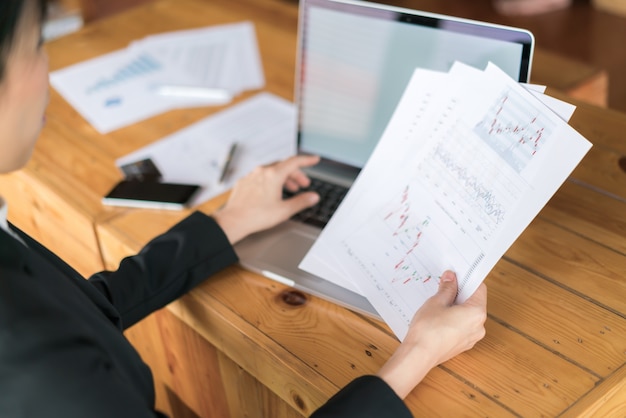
197, 67
467, 161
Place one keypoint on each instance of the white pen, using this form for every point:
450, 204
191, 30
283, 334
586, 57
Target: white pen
213, 95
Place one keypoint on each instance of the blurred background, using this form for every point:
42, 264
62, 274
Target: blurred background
587, 37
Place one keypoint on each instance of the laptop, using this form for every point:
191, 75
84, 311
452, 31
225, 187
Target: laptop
354, 60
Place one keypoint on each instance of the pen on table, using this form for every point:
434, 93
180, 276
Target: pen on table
228, 162
212, 95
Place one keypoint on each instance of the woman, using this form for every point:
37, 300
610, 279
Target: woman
62, 348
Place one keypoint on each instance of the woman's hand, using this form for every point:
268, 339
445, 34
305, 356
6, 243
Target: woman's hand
439, 331
256, 202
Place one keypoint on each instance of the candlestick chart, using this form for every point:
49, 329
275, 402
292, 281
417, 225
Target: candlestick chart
514, 129
416, 250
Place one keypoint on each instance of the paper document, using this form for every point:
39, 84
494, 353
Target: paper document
467, 161
120, 88
224, 57
263, 127
320, 260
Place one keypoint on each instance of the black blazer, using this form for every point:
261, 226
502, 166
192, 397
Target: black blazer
62, 348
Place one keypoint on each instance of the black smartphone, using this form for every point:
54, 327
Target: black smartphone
147, 194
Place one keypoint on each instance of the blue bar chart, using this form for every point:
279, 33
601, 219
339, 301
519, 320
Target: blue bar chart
141, 66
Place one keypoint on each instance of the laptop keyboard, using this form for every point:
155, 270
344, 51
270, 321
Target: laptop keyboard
330, 197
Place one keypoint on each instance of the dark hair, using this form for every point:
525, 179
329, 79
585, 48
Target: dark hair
10, 14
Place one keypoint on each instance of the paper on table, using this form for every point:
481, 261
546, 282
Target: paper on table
467, 189
224, 57
119, 88
264, 127
110, 91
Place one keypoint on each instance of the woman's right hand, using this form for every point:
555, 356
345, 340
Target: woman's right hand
439, 330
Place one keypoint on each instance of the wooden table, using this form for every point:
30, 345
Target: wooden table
555, 341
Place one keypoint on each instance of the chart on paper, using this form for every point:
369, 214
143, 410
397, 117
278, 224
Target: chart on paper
414, 239
514, 129
469, 186
450, 186
140, 66
452, 204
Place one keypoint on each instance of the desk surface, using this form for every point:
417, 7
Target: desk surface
557, 314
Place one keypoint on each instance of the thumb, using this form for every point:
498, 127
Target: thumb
448, 288
301, 201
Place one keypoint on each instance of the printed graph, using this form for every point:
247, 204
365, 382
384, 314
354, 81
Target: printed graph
514, 129
407, 231
467, 184
141, 66
417, 250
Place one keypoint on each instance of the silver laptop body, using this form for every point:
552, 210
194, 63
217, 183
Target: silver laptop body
354, 60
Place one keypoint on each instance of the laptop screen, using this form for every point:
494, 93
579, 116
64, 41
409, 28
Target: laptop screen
356, 58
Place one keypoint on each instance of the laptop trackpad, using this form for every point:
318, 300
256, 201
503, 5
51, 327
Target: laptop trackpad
288, 250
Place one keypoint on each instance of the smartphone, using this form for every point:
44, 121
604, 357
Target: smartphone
148, 194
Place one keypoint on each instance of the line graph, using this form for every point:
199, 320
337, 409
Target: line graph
484, 196
466, 184
514, 129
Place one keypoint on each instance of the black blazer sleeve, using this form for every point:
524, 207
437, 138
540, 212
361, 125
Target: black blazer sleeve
364, 397
167, 267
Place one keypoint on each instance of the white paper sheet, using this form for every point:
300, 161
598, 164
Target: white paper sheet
322, 260
224, 56
450, 185
263, 126
119, 88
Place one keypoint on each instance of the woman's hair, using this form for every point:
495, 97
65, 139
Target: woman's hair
11, 12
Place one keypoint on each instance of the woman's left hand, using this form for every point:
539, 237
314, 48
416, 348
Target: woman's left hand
256, 201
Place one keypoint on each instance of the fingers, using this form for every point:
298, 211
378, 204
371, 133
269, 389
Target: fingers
300, 202
291, 166
289, 173
296, 178
448, 288
479, 298
475, 308
255, 202
301, 182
